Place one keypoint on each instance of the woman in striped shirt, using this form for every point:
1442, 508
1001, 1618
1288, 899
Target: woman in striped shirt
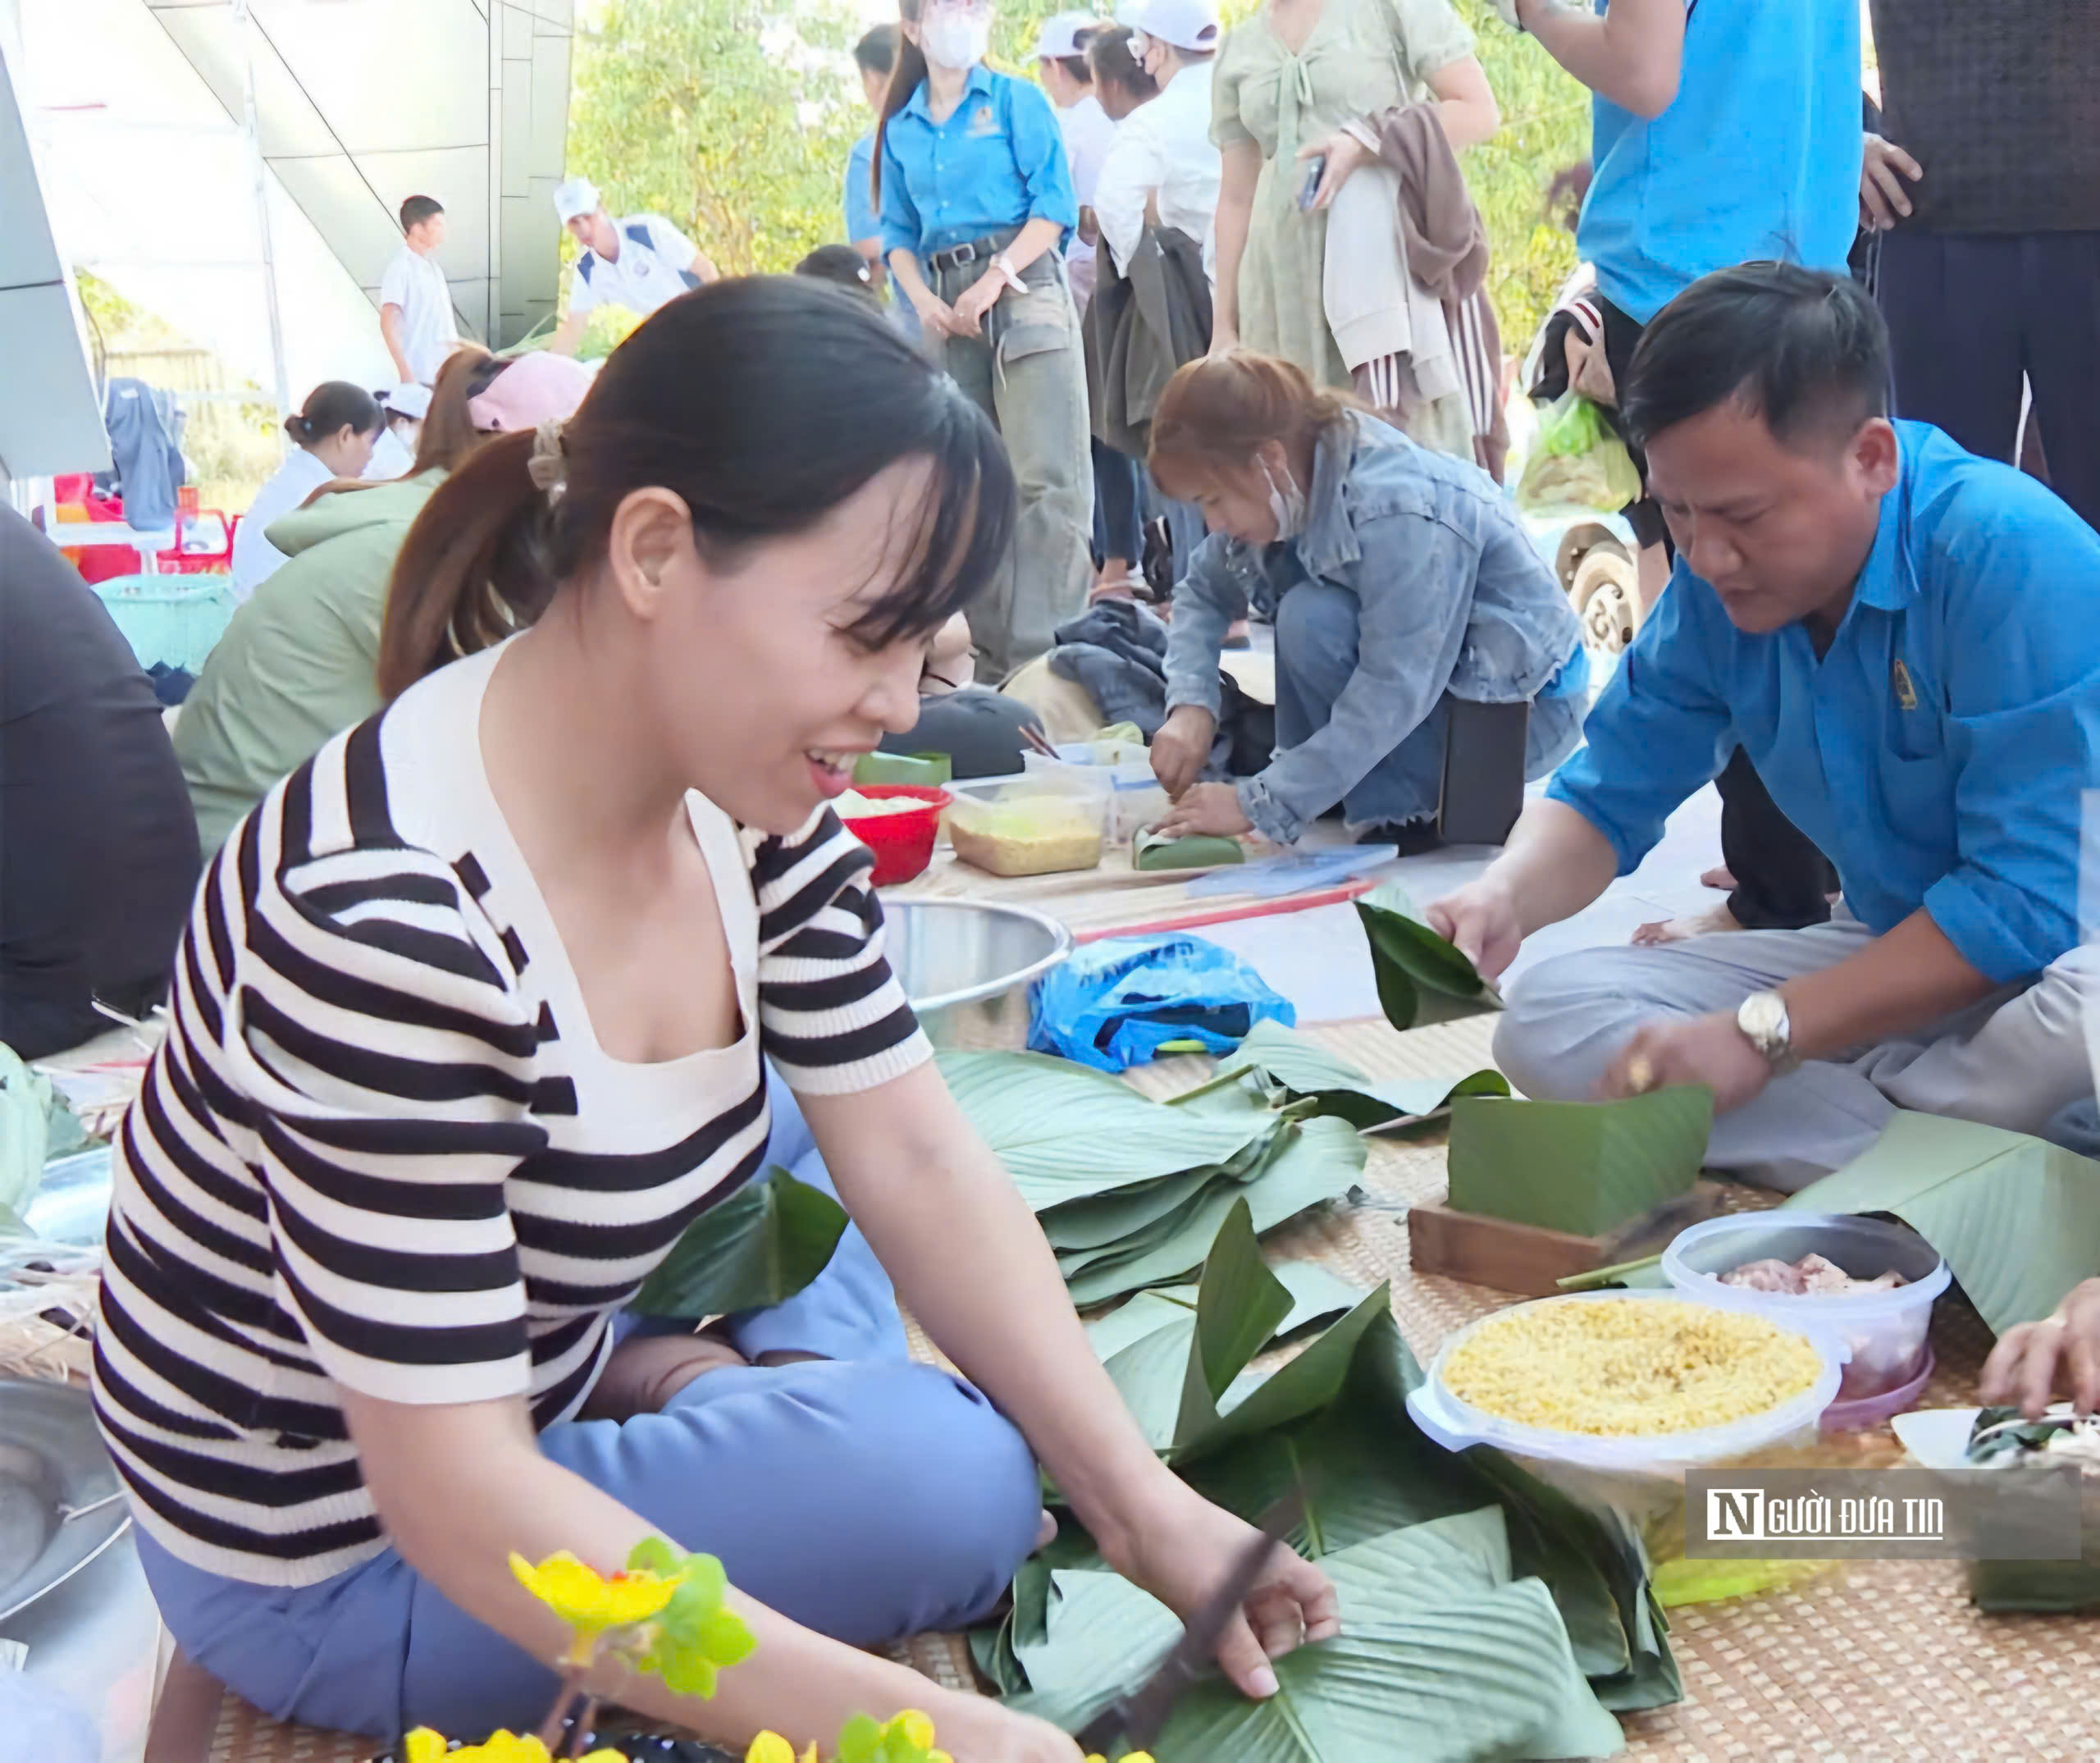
468, 1024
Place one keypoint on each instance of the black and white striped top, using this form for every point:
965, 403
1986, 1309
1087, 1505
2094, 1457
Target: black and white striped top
382, 1150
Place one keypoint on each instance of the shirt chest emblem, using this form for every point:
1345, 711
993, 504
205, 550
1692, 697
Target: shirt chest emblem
984, 123
1906, 694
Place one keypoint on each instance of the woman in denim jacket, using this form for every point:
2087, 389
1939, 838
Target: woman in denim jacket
1397, 577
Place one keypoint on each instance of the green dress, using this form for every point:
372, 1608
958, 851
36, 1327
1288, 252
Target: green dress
1363, 57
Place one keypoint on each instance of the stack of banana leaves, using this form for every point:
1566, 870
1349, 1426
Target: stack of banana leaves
1131, 1192
1485, 1614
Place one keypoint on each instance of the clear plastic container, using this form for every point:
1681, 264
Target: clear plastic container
1642, 1479
1030, 826
1136, 800
1883, 1330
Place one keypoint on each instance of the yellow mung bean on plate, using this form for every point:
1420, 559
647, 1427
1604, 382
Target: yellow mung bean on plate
1629, 1367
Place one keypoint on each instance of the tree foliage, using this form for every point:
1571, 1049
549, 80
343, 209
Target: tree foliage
735, 122
732, 118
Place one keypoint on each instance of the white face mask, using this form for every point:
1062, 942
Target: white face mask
1286, 502
955, 40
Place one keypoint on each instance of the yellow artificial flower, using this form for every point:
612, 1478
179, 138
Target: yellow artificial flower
1133, 1756
424, 1745
590, 1602
770, 1747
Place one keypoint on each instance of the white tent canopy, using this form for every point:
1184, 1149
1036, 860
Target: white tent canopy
134, 109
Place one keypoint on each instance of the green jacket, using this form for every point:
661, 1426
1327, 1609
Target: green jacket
295, 666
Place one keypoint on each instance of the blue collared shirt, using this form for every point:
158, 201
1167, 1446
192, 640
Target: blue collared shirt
996, 163
1453, 597
863, 222
1936, 753
1757, 156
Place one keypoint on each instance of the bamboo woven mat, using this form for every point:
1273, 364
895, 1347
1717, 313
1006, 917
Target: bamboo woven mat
1875, 1662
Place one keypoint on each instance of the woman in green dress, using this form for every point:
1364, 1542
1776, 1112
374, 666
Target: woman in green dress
1287, 79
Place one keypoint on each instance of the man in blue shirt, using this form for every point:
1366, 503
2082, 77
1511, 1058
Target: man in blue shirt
1722, 131
875, 55
1901, 637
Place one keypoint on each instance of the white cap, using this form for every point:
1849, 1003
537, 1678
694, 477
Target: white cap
1059, 36
410, 400
579, 195
1184, 24
1127, 12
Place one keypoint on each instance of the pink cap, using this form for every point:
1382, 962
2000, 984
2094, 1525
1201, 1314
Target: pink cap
532, 389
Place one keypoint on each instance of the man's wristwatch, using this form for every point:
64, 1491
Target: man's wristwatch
1763, 1020
1007, 273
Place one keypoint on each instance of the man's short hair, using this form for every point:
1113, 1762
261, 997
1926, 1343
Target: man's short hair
876, 52
417, 209
1805, 351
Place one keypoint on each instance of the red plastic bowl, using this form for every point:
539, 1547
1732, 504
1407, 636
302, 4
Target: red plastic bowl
903, 843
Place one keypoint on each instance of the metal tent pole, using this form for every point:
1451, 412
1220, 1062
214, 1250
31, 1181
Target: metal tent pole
252, 132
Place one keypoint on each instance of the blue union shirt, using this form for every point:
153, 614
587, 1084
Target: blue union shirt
997, 162
1757, 156
1936, 753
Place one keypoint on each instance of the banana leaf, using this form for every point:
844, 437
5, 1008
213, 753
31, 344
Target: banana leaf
1285, 1061
927, 769
757, 1248
1317, 1292
1104, 1222
1421, 977
1155, 851
1321, 1160
1438, 1642
1066, 1133
1585, 1167
2017, 1219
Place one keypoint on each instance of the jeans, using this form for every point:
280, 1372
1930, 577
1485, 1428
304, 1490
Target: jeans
1117, 513
1026, 372
863, 1495
1316, 656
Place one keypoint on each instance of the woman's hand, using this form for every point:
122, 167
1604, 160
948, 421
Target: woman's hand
1183, 1553
1209, 809
977, 1729
1344, 153
938, 318
2033, 1361
976, 300
1182, 747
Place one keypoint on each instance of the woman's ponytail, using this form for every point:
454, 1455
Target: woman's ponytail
475, 567
904, 78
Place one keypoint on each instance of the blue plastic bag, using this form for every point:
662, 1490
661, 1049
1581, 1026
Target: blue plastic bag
1125, 1001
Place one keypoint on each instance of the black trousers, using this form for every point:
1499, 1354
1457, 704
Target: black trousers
1782, 882
1968, 313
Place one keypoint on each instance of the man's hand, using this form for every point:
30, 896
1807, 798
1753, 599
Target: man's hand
1206, 810
976, 300
1182, 747
1344, 153
1709, 1050
2032, 1362
1481, 920
1882, 199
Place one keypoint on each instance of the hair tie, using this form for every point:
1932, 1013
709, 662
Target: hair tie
548, 466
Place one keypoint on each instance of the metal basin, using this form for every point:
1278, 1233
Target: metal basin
968, 966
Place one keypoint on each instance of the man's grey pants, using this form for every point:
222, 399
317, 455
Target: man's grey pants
1027, 374
2016, 1060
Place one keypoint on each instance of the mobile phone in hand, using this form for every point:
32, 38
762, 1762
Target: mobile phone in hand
1314, 171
